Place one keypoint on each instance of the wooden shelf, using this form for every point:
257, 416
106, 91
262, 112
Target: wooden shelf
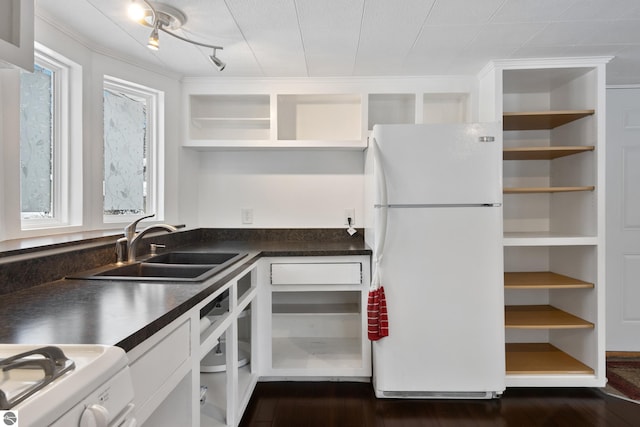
542, 280
536, 120
543, 153
541, 359
527, 190
542, 317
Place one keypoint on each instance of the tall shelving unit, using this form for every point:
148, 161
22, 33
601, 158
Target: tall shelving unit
553, 122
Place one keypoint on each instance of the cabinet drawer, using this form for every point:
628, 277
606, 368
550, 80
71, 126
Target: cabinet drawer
348, 273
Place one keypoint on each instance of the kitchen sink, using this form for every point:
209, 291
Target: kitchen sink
179, 257
180, 266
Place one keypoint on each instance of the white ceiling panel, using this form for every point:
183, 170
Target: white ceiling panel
281, 38
507, 34
614, 32
598, 10
388, 32
532, 10
463, 11
330, 33
271, 30
563, 33
446, 36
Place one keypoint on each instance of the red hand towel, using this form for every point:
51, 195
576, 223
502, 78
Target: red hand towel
373, 315
383, 322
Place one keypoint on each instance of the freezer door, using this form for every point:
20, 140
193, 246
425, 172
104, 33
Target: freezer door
442, 275
441, 164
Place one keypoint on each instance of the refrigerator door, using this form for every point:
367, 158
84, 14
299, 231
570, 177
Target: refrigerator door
441, 164
442, 275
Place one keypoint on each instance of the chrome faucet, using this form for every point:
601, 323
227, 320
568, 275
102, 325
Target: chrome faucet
132, 238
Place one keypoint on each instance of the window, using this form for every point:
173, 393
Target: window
132, 148
50, 145
37, 142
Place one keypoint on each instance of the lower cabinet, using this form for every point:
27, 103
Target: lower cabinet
225, 370
314, 318
160, 369
280, 318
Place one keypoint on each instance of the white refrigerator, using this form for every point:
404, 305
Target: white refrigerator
434, 222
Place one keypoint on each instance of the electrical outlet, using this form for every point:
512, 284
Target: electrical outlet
350, 213
246, 215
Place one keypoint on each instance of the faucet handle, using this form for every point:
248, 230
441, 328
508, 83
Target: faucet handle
130, 230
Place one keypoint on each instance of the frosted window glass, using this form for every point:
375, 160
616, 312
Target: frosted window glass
36, 143
125, 134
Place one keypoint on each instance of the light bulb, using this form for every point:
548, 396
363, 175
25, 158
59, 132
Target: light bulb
154, 42
136, 12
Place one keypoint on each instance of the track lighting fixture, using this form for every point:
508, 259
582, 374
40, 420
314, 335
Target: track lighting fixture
216, 61
165, 18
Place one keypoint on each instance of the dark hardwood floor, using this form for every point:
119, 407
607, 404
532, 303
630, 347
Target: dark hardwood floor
326, 404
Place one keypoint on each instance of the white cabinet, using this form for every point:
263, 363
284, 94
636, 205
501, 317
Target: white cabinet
316, 113
167, 370
314, 322
160, 369
553, 121
16, 33
227, 351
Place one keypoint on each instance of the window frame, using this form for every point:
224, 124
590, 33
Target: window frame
155, 148
66, 140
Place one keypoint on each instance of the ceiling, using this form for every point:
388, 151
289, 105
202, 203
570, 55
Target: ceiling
320, 38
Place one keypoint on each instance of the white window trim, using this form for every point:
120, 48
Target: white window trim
67, 141
155, 157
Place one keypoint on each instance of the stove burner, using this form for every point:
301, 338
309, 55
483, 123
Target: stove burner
53, 363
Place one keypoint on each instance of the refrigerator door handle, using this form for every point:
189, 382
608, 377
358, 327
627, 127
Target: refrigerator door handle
381, 212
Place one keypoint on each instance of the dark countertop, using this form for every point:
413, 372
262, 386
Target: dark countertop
127, 313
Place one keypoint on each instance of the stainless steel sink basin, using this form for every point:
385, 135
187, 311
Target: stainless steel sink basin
180, 257
180, 266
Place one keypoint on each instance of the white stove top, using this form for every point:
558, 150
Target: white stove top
95, 365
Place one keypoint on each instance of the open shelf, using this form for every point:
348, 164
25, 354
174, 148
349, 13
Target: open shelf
541, 359
319, 353
536, 120
542, 317
527, 190
233, 122
229, 117
543, 153
542, 280
314, 309
546, 238
331, 117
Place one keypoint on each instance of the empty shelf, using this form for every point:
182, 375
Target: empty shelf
541, 359
535, 120
542, 280
526, 190
542, 317
543, 153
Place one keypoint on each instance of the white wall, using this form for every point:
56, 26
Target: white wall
285, 189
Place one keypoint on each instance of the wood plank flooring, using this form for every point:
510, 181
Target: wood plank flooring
327, 404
